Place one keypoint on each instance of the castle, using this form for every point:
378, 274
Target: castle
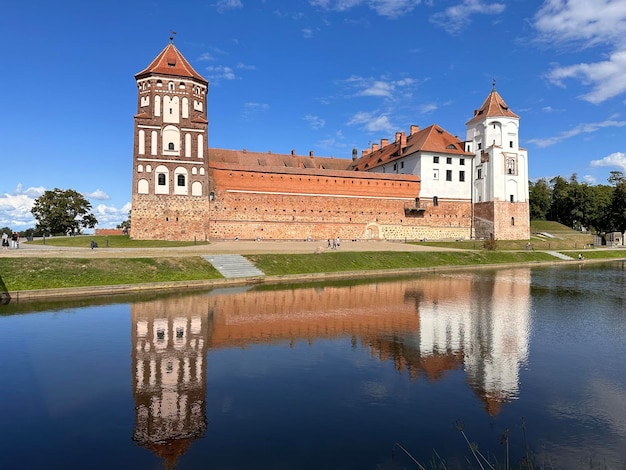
424, 185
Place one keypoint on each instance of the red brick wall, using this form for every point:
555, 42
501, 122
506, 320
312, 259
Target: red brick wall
494, 219
270, 205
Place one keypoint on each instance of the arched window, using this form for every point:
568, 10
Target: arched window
196, 188
171, 140
157, 105
142, 187
162, 180
180, 176
435, 201
512, 220
187, 145
141, 141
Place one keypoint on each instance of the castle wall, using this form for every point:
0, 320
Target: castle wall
502, 220
165, 217
182, 190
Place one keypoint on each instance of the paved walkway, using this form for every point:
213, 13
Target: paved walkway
217, 247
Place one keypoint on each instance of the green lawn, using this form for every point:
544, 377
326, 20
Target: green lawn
279, 264
50, 273
112, 241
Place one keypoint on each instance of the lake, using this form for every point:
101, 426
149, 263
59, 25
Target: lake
359, 374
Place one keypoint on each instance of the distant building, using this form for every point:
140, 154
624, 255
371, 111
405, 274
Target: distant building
427, 185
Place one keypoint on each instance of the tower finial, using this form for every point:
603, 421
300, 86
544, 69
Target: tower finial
493, 85
172, 36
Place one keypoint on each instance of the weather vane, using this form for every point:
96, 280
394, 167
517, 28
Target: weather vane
172, 36
493, 84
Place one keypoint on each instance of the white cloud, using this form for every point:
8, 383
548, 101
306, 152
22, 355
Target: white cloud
606, 78
15, 208
111, 216
381, 87
224, 5
250, 109
455, 18
315, 122
371, 122
220, 72
589, 179
387, 8
585, 24
616, 159
98, 194
428, 108
205, 57
245, 66
585, 128
307, 33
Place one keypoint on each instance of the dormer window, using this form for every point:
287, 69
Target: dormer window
170, 146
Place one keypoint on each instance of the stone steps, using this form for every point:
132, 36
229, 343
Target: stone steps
556, 254
233, 266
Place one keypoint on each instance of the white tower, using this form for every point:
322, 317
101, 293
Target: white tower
500, 189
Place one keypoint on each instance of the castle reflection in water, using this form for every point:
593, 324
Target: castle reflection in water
429, 325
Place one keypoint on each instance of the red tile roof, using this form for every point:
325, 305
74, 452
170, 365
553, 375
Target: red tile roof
171, 62
493, 106
430, 139
289, 164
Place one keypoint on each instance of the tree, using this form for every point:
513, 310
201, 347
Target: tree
125, 225
616, 178
539, 199
560, 207
58, 211
618, 207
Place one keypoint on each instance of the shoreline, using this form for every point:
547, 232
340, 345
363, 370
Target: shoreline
110, 290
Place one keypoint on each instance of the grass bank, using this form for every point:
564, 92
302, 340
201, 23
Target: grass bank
51, 273
335, 261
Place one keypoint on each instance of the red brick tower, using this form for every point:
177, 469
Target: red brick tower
170, 157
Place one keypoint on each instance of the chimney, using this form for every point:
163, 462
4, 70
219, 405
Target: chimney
293, 152
384, 142
398, 134
245, 151
414, 129
365, 152
310, 153
402, 140
374, 147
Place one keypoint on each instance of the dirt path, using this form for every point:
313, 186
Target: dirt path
218, 247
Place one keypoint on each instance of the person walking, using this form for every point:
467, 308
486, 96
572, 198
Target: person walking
15, 240
5, 241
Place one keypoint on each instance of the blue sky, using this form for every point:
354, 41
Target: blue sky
320, 75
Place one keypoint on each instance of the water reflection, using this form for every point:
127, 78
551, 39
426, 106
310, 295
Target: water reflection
169, 339
426, 326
